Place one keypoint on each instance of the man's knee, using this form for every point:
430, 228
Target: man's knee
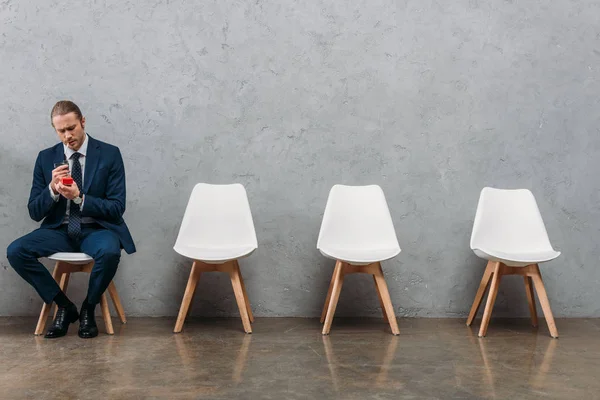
108, 255
14, 252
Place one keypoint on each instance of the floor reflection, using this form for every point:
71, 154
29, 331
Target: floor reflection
532, 370
141, 364
187, 348
288, 358
336, 362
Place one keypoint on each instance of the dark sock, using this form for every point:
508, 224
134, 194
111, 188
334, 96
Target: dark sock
62, 300
87, 305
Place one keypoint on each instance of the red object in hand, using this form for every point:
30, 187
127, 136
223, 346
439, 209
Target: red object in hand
68, 181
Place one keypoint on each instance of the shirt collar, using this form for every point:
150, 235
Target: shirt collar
82, 150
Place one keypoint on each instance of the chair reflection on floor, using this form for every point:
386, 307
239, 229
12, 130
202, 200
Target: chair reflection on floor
46, 354
379, 381
189, 374
190, 363
538, 371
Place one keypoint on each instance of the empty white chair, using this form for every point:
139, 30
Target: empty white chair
509, 232
66, 264
216, 230
357, 231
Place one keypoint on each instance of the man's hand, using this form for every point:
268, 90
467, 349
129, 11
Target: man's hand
70, 192
57, 174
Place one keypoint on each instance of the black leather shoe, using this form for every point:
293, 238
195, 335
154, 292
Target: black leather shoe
87, 324
64, 317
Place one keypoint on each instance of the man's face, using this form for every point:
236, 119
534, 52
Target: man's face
70, 130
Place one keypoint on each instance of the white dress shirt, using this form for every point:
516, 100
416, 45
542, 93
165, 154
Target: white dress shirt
68, 153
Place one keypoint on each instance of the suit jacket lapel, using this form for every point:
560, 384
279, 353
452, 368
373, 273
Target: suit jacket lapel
91, 163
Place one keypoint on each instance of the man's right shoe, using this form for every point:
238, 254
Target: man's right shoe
87, 323
60, 325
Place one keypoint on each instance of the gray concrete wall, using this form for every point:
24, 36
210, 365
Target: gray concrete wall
432, 100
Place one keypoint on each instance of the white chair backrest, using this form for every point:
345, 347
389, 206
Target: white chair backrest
217, 216
357, 217
509, 221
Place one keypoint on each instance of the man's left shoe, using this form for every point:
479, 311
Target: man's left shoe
87, 324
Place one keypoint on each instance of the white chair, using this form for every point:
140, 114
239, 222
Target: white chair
66, 264
217, 229
509, 232
357, 231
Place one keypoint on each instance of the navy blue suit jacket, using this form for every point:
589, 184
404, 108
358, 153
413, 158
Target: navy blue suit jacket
104, 190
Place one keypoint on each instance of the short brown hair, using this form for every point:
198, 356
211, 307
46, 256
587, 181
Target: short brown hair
64, 107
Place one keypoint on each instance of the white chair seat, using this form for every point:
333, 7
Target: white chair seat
357, 226
359, 256
508, 227
217, 224
73, 258
521, 259
214, 255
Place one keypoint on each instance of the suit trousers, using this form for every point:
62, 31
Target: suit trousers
99, 243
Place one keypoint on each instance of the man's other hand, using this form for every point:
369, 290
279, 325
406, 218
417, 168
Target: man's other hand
70, 192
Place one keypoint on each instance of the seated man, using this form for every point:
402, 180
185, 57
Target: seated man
85, 216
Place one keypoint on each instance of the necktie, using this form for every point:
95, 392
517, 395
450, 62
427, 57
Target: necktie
74, 227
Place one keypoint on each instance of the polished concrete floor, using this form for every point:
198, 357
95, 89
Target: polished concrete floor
287, 358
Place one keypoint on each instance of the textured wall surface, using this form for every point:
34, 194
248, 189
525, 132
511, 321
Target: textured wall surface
432, 100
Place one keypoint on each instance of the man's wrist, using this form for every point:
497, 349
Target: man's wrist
53, 194
78, 199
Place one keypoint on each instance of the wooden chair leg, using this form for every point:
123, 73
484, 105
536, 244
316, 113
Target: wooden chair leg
531, 300
192, 302
483, 285
236, 283
338, 281
39, 329
114, 296
543, 298
193, 298
338, 264
64, 283
386, 299
380, 300
187, 296
487, 314
247, 301
106, 314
